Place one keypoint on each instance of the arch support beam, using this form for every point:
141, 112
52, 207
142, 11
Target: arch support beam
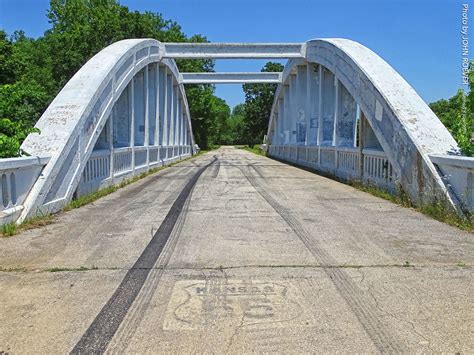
233, 50
232, 78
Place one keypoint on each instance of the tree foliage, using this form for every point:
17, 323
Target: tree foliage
33, 71
258, 105
457, 114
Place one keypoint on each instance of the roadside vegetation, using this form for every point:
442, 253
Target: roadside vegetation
253, 149
438, 210
457, 114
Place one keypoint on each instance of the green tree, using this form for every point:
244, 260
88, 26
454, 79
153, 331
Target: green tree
11, 136
457, 115
33, 71
258, 105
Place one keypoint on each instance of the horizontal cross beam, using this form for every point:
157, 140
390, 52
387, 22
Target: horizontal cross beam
232, 78
233, 50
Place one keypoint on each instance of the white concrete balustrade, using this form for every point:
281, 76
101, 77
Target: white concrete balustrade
458, 173
17, 176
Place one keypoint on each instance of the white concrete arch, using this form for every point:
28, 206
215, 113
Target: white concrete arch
402, 123
71, 125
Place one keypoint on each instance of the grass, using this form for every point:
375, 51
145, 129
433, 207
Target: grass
61, 269
437, 209
253, 149
11, 229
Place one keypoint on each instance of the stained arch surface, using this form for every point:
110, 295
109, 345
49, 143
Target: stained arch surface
399, 123
72, 124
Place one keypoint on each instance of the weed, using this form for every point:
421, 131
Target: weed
9, 229
253, 149
81, 268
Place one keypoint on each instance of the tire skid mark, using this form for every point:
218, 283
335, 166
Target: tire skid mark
103, 328
215, 170
137, 312
356, 299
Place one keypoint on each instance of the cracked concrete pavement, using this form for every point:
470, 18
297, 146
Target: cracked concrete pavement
262, 257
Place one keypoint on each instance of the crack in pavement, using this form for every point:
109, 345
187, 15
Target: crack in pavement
257, 266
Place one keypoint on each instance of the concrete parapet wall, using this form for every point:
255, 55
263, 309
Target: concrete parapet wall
458, 175
17, 176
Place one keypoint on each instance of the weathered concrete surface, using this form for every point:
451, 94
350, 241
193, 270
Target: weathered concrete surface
263, 257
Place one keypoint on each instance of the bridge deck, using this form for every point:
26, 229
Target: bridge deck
259, 256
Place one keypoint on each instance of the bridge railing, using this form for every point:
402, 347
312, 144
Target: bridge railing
370, 166
17, 176
105, 168
458, 175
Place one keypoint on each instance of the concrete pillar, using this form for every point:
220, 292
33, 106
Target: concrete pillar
335, 140
151, 105
281, 123
312, 103
110, 138
320, 106
157, 110
170, 113
286, 114
146, 99
356, 124
274, 131
163, 106
361, 142
170, 118
301, 104
139, 97
132, 121
346, 119
180, 121
328, 103
183, 123
292, 109
176, 113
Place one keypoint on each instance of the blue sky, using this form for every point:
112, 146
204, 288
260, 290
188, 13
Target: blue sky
420, 39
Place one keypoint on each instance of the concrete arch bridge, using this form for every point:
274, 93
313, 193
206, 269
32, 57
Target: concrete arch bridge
339, 109
233, 252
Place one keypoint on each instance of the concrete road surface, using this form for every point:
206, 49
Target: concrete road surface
230, 253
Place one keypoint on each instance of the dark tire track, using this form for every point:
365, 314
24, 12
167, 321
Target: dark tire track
356, 299
104, 326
